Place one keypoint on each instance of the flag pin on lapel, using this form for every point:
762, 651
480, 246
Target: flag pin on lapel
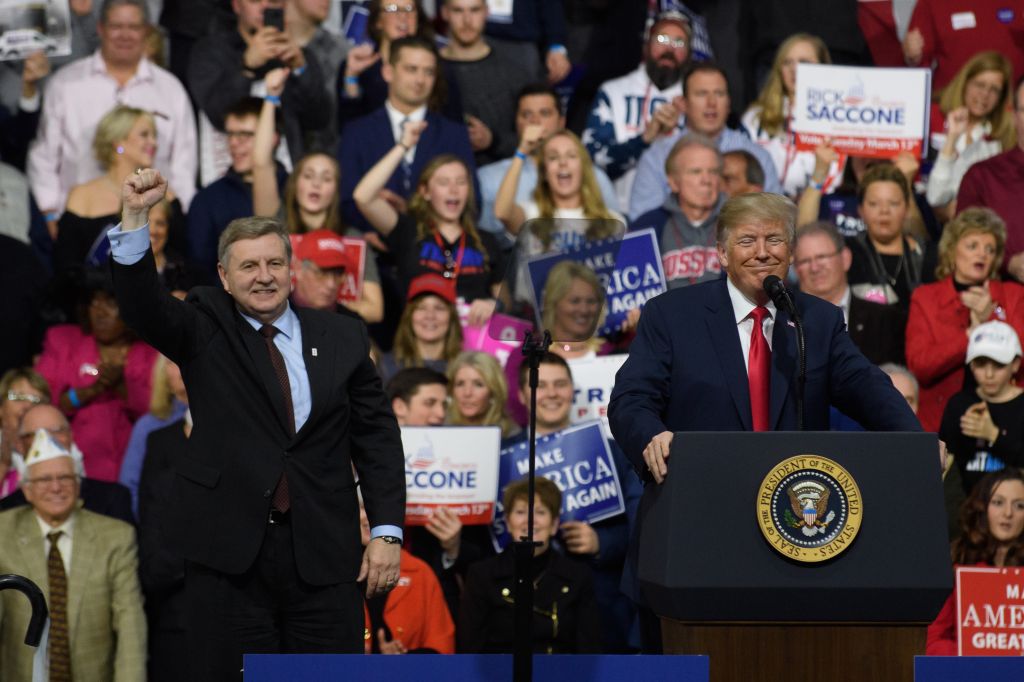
314, 352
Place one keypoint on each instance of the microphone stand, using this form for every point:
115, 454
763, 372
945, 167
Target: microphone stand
780, 295
522, 548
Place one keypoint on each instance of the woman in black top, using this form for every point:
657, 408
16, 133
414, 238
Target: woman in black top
439, 234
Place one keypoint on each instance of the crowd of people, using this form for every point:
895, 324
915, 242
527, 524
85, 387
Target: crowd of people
403, 167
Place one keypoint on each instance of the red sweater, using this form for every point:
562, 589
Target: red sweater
937, 340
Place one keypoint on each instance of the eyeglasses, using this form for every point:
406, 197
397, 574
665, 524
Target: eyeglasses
674, 43
818, 260
239, 134
64, 480
23, 397
393, 7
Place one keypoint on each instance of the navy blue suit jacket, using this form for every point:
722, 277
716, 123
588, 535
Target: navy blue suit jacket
366, 140
686, 372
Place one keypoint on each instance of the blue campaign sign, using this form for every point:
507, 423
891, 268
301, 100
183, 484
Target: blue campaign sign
580, 463
630, 270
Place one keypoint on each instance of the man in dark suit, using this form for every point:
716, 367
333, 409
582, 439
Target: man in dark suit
410, 75
285, 402
701, 363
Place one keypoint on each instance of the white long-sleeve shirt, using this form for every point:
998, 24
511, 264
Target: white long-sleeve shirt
77, 97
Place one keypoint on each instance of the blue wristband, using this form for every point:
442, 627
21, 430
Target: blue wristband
520, 155
351, 80
73, 398
299, 71
273, 99
558, 47
52, 216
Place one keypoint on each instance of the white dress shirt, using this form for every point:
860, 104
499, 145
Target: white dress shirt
396, 117
741, 308
64, 542
77, 97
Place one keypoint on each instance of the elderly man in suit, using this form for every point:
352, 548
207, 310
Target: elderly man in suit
86, 565
285, 402
718, 356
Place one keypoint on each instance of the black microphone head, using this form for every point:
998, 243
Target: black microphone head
774, 287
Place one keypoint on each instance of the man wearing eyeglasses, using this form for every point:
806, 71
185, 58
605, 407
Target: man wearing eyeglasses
103, 497
822, 259
88, 566
632, 111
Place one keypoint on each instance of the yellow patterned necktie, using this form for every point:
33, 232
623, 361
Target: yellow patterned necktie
60, 650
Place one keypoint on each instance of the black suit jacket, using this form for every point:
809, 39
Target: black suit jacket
240, 444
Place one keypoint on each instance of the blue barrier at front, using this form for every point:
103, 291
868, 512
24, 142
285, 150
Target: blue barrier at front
973, 668
471, 668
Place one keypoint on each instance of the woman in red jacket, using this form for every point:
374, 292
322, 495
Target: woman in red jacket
992, 521
968, 293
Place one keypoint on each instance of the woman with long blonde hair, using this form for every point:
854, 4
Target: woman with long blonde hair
978, 122
429, 333
767, 120
479, 393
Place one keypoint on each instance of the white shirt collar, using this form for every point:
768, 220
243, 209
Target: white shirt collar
743, 306
396, 117
68, 527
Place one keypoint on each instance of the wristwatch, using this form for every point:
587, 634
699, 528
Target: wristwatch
390, 539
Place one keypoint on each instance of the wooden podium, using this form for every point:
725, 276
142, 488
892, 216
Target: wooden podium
722, 590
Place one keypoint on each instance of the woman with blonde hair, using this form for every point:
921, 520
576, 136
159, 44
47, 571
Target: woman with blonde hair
978, 122
439, 233
567, 192
968, 293
768, 118
572, 307
311, 199
479, 392
125, 140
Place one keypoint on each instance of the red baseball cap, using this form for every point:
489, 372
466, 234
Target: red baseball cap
431, 283
324, 247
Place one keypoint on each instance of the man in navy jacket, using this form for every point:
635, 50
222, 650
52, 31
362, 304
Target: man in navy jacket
410, 74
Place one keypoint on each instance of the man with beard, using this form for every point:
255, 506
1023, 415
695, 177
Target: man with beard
630, 112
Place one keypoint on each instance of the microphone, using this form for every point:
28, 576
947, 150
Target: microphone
780, 296
783, 300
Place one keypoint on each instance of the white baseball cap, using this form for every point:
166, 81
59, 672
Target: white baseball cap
996, 340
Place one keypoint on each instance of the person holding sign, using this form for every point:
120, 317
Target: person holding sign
601, 545
438, 234
768, 118
565, 613
992, 522
984, 427
311, 198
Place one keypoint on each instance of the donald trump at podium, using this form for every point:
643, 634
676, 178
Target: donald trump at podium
719, 356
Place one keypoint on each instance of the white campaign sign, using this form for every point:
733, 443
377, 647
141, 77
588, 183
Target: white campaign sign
593, 379
451, 466
865, 111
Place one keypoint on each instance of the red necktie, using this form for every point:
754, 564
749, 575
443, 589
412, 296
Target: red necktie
759, 368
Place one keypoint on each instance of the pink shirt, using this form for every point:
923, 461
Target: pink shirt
101, 429
77, 97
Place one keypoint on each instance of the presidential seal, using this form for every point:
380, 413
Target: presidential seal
809, 508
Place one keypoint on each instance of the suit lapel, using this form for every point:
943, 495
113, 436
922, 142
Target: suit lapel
318, 357
33, 550
83, 556
726, 339
257, 349
783, 364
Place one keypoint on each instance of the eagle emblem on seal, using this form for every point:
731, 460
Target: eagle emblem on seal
808, 501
